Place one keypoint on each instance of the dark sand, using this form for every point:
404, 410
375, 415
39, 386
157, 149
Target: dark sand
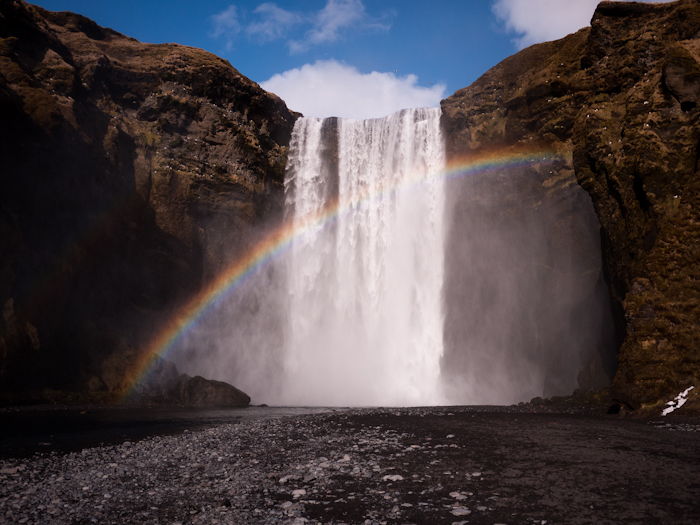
476, 465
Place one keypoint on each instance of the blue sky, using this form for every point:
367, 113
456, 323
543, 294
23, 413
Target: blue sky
348, 58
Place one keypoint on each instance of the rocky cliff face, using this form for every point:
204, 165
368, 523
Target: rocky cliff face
131, 173
617, 105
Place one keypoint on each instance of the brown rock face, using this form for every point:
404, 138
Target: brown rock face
617, 104
131, 173
199, 392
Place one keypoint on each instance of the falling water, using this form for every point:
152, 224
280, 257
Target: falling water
365, 322
397, 292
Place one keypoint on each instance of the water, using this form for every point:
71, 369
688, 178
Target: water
397, 292
56, 429
364, 286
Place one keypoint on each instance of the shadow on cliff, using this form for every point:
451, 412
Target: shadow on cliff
117, 156
527, 309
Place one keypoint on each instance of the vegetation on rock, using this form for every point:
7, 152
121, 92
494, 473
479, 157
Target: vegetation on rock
132, 173
619, 99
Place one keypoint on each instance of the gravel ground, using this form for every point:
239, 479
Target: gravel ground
373, 466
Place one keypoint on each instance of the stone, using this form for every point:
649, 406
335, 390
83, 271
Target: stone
201, 392
196, 152
616, 103
188, 151
681, 76
393, 477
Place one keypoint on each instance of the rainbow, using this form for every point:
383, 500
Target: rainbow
278, 241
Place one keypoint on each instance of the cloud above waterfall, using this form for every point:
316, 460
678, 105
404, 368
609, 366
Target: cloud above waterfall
226, 25
535, 21
329, 22
301, 30
329, 88
272, 22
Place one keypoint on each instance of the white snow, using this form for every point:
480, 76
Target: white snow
677, 402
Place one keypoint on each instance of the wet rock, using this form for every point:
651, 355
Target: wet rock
617, 104
124, 165
201, 392
393, 477
681, 76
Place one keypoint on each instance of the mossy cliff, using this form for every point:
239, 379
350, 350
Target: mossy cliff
131, 173
617, 103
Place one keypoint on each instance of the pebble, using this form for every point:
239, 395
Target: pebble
280, 471
260, 471
393, 477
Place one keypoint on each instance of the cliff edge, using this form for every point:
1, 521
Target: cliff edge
618, 104
125, 168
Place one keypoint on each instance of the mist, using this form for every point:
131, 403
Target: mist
527, 307
415, 290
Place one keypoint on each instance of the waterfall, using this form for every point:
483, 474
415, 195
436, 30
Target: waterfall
364, 276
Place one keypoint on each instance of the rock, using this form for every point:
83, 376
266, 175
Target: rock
160, 381
533, 213
162, 376
616, 104
124, 164
393, 477
681, 76
593, 376
95, 384
200, 392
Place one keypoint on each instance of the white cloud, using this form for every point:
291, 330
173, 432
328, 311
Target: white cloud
329, 88
274, 22
543, 20
325, 26
225, 24
337, 15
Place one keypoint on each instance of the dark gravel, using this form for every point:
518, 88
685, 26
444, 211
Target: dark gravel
370, 466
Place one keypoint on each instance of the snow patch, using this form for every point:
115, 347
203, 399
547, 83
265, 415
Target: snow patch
677, 402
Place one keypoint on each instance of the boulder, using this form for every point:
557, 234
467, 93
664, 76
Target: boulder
199, 392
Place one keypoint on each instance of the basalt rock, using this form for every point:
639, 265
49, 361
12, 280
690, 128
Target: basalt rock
124, 166
616, 105
200, 392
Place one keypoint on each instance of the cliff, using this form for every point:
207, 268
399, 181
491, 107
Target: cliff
616, 103
131, 173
